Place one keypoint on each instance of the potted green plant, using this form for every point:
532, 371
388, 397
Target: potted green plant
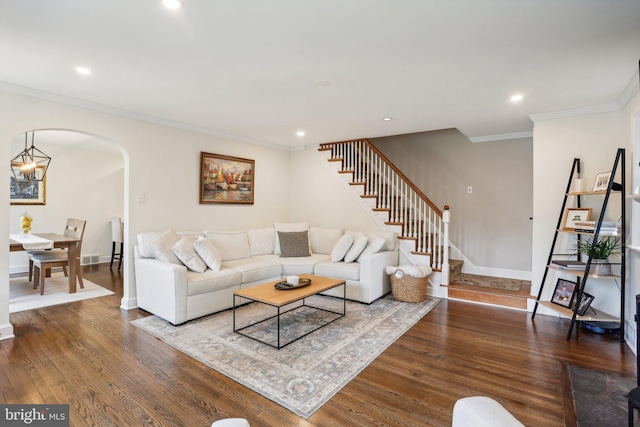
602, 250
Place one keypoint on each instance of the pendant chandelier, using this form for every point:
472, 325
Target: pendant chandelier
31, 164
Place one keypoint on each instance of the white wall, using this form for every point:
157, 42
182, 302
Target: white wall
490, 226
594, 139
162, 163
319, 198
81, 184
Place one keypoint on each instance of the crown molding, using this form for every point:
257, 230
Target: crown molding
74, 102
501, 137
575, 112
629, 91
627, 94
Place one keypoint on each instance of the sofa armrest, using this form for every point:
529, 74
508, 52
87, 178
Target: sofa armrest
161, 289
372, 271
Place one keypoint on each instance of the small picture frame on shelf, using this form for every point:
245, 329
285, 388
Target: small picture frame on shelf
563, 293
574, 215
584, 303
602, 181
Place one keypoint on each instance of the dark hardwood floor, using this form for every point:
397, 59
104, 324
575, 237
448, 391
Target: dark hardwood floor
87, 354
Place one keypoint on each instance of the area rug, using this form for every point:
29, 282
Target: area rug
599, 398
23, 297
306, 373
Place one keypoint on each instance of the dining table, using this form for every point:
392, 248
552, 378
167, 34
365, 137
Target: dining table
39, 241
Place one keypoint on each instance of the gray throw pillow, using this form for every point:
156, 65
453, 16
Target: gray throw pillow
294, 244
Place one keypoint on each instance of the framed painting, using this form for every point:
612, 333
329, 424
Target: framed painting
563, 294
584, 303
226, 179
28, 193
574, 215
601, 183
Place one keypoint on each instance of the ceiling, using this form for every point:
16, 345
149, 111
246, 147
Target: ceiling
261, 70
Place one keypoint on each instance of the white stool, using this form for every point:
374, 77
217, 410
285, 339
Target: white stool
231, 422
482, 411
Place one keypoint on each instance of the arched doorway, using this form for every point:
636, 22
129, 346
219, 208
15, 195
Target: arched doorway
86, 179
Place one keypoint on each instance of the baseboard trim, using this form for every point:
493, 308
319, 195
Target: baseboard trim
6, 332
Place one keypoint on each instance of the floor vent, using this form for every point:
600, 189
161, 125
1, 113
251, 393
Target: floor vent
90, 259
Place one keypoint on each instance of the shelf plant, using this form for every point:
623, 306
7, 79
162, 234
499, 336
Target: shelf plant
603, 249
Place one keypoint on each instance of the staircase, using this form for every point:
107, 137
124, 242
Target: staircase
422, 228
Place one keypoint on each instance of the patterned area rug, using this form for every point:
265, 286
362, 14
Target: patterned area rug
306, 373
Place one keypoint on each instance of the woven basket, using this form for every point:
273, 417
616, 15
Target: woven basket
407, 288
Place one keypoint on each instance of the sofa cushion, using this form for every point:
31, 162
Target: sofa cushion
322, 240
359, 242
162, 247
208, 252
288, 226
186, 253
297, 265
210, 281
257, 268
338, 270
232, 245
390, 239
373, 246
294, 243
144, 244
262, 241
341, 248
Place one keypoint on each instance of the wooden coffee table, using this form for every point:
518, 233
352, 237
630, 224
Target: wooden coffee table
268, 294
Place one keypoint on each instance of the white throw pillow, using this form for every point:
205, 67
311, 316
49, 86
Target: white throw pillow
359, 242
373, 247
162, 245
341, 248
288, 226
208, 252
186, 253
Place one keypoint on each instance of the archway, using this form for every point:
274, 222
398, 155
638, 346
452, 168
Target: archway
86, 179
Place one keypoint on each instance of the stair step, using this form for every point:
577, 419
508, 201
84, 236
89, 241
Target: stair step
491, 290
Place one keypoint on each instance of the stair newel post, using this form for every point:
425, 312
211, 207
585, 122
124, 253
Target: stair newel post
446, 217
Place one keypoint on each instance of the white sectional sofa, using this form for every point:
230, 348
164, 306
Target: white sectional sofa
186, 275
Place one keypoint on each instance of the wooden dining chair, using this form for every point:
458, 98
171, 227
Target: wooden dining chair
70, 225
117, 240
46, 260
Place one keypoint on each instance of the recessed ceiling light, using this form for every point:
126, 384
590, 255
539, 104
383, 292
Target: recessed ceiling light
517, 98
300, 133
172, 4
85, 71
387, 119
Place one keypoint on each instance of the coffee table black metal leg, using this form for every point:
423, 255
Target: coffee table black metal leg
234, 313
278, 328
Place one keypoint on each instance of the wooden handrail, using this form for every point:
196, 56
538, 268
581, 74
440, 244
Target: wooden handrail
395, 169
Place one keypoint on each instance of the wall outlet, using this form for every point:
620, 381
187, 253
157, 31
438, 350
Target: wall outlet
469, 189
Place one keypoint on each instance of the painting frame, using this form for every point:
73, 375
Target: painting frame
564, 292
585, 302
226, 179
574, 215
28, 193
601, 182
